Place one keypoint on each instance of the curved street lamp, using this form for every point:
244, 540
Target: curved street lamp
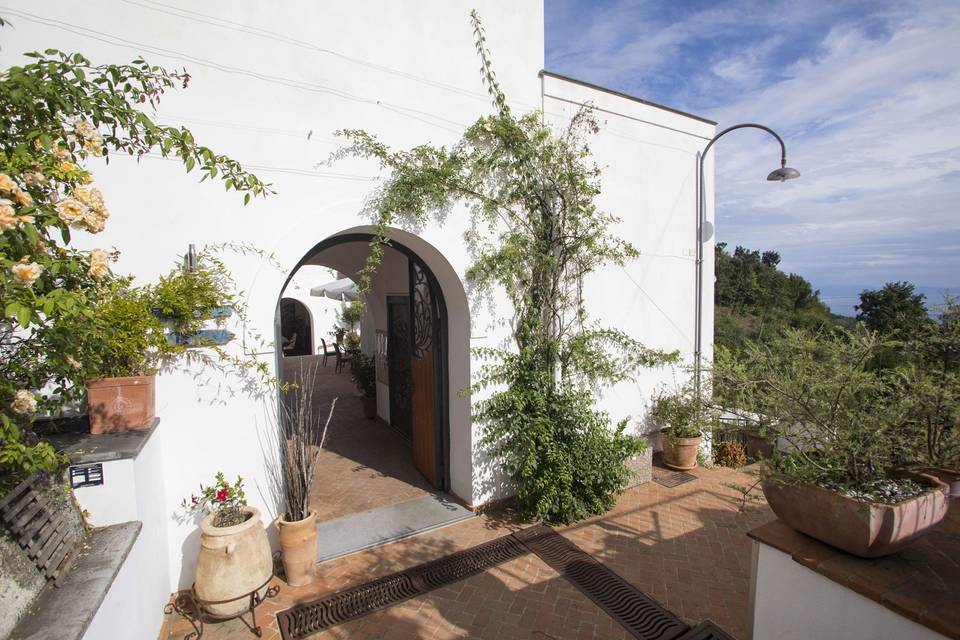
782, 174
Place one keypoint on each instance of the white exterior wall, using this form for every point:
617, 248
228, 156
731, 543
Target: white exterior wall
649, 160
792, 602
408, 72
134, 489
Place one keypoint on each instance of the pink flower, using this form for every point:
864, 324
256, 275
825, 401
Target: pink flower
221, 495
194, 499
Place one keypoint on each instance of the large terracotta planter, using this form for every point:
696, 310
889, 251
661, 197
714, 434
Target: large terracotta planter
864, 529
298, 549
950, 477
234, 561
120, 404
680, 453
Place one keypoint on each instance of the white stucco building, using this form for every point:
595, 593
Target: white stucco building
271, 82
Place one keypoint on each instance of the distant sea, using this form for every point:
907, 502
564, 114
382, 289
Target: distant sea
842, 298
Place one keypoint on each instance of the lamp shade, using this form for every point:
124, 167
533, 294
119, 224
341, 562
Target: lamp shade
783, 174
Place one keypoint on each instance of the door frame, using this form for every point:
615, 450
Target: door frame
441, 375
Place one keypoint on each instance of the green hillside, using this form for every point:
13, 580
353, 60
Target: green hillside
755, 299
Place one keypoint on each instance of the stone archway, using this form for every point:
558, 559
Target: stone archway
439, 322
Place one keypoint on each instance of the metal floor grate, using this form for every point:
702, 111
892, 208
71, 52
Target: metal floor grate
669, 478
639, 614
306, 619
636, 612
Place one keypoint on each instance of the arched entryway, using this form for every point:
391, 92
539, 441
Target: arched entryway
406, 328
296, 328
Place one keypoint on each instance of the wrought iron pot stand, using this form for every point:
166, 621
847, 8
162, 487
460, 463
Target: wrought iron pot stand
194, 609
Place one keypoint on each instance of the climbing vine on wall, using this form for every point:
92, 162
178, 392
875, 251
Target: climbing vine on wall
535, 233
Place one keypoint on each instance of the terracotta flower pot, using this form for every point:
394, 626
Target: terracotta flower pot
864, 529
757, 446
234, 561
680, 453
120, 404
369, 407
298, 549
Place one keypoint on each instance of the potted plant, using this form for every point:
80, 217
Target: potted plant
292, 452
364, 373
683, 419
119, 346
235, 558
933, 381
188, 298
846, 424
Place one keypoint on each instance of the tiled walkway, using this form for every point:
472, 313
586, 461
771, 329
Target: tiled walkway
685, 546
364, 464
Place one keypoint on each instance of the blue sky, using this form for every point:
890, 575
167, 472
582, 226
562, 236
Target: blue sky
866, 94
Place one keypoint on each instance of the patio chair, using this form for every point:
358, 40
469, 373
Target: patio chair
342, 357
326, 351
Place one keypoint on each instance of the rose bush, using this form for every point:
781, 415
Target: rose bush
57, 113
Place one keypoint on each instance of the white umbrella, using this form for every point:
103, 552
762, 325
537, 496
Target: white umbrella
343, 289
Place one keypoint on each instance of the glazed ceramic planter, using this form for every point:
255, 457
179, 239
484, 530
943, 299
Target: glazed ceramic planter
121, 404
865, 529
680, 453
298, 549
234, 562
369, 407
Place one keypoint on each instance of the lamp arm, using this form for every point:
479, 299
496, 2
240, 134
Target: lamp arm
748, 125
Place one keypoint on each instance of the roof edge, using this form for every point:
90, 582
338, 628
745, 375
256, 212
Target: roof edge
590, 85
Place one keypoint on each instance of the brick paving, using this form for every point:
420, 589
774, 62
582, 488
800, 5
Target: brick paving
686, 547
365, 464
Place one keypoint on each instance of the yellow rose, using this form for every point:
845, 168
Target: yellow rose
90, 197
68, 166
22, 197
93, 221
71, 210
25, 402
27, 272
83, 128
6, 183
99, 263
8, 218
34, 178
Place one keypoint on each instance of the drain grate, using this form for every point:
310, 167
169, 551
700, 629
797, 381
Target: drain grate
670, 479
706, 630
306, 619
639, 614
636, 612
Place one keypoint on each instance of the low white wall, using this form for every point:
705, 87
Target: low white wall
132, 608
133, 489
791, 602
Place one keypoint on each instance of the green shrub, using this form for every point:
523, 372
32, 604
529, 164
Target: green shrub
363, 370
847, 423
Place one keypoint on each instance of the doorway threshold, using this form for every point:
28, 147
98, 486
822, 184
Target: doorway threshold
359, 531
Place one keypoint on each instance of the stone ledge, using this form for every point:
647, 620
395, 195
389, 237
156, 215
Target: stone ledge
83, 447
65, 612
920, 582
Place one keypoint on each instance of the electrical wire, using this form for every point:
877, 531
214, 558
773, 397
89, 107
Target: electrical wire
117, 41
